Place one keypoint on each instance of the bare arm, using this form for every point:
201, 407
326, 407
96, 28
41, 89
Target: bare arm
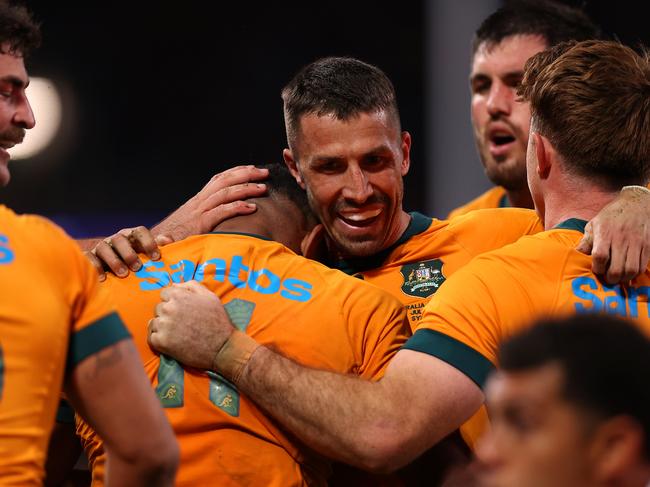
111, 391
377, 426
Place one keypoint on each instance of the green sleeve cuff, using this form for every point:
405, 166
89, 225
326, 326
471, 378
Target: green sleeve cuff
65, 413
455, 353
95, 337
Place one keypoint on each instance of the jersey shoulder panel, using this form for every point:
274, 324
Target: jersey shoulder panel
492, 198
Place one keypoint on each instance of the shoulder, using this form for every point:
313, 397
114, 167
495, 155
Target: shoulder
485, 230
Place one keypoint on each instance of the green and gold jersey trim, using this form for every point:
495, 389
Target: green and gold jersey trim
572, 224
254, 235
455, 353
419, 223
504, 202
95, 337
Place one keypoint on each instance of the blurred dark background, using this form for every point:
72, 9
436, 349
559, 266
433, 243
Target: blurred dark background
159, 97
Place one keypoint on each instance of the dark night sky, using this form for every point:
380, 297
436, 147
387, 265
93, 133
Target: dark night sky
167, 95
158, 97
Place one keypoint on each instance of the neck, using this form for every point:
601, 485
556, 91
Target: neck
520, 198
583, 203
245, 224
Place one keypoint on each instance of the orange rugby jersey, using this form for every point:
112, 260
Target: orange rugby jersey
52, 316
495, 197
501, 292
431, 250
315, 315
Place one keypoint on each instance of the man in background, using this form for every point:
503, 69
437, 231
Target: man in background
500, 48
570, 407
58, 331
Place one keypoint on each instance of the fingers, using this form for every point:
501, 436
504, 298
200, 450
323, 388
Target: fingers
176, 290
634, 263
586, 243
234, 176
124, 250
234, 193
600, 252
105, 253
142, 241
119, 253
154, 337
163, 240
618, 258
97, 264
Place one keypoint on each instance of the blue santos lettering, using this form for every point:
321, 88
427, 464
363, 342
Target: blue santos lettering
273, 282
6, 254
185, 270
236, 267
219, 270
614, 300
297, 290
154, 276
161, 279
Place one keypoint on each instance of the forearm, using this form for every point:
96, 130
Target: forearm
339, 416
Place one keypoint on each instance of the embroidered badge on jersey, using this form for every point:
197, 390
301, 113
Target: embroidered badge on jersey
422, 279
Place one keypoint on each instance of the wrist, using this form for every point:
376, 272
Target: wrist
233, 356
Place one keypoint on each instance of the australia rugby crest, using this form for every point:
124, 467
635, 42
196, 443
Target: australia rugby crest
422, 279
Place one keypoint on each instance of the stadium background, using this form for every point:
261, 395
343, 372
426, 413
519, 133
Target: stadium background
158, 97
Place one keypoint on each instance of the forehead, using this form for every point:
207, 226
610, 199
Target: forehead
541, 386
327, 136
12, 67
507, 56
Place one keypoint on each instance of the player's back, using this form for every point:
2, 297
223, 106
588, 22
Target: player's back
45, 284
537, 276
315, 315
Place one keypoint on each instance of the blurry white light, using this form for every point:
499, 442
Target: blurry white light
46, 105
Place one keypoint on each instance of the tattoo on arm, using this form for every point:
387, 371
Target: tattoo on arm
107, 358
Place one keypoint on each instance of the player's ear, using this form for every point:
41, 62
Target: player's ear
292, 165
544, 153
406, 153
617, 446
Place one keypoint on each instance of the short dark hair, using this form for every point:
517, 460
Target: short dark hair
280, 182
605, 363
553, 21
591, 99
341, 86
19, 34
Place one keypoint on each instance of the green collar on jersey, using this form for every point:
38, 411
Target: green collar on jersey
504, 202
254, 235
572, 224
418, 224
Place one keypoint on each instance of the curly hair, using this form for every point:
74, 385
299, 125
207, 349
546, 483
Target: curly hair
19, 33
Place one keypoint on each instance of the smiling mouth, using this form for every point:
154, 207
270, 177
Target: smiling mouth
360, 218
